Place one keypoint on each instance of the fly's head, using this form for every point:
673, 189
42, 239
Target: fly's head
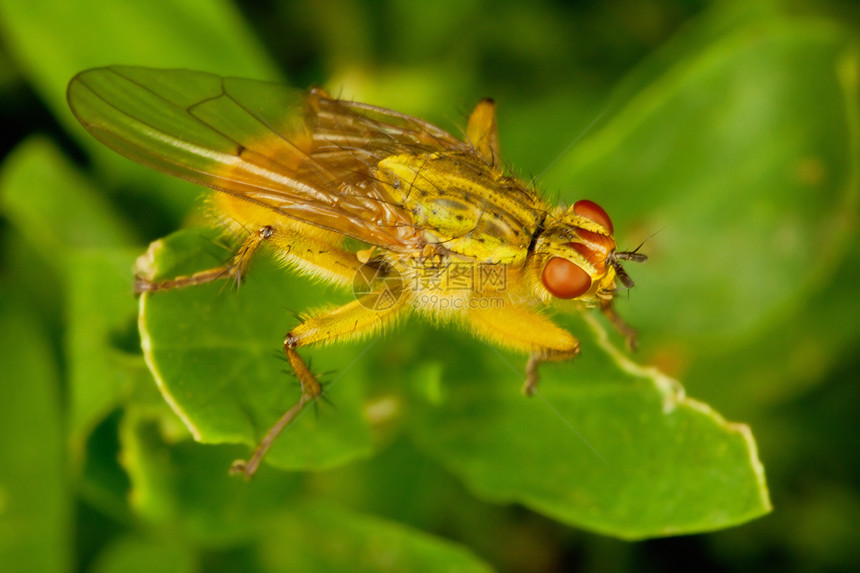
575, 258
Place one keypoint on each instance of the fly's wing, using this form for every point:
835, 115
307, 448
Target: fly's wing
304, 155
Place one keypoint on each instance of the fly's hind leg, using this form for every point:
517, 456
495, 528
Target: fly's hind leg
234, 270
361, 317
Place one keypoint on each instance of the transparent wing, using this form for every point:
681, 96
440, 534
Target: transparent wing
304, 155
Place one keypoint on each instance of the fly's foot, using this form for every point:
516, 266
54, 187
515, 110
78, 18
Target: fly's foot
249, 468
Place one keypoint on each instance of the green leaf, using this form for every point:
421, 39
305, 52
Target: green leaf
791, 357
35, 505
324, 538
607, 445
54, 207
203, 36
217, 357
184, 489
83, 238
101, 311
138, 555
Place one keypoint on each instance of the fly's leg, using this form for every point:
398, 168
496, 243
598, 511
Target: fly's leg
628, 332
483, 133
311, 390
361, 317
522, 329
532, 376
233, 270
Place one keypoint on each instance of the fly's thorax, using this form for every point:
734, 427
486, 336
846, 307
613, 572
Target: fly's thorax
462, 203
572, 256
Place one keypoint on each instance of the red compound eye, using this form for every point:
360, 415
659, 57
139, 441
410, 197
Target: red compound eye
564, 279
593, 211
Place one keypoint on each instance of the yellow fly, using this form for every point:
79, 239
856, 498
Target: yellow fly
437, 226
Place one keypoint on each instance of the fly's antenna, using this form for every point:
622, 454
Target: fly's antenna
633, 256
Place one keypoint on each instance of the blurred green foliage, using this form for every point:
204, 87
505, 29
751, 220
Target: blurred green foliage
724, 135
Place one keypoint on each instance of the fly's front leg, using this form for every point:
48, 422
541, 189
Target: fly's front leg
546, 355
523, 329
628, 332
358, 318
233, 270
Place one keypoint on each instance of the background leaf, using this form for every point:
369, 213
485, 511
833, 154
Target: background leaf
35, 502
329, 539
766, 167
